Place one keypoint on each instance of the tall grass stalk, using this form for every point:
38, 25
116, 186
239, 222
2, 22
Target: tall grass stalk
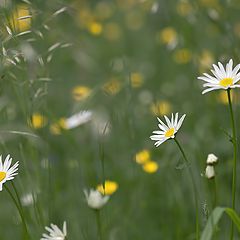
99, 224
27, 236
234, 173
193, 185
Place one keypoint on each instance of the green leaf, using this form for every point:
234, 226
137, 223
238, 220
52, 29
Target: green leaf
214, 219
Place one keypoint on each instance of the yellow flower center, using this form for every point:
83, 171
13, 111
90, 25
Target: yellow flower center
2, 176
169, 132
226, 82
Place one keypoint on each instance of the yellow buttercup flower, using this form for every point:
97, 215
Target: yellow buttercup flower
161, 108
143, 156
37, 121
95, 28
150, 167
56, 128
81, 92
112, 87
20, 20
136, 79
109, 187
182, 56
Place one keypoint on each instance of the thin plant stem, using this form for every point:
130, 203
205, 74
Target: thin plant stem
214, 204
193, 185
214, 193
17, 195
20, 211
99, 225
102, 156
234, 173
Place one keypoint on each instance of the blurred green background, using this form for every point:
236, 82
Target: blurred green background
126, 61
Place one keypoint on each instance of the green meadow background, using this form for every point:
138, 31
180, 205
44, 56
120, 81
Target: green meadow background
132, 60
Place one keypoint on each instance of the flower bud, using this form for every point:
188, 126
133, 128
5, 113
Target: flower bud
210, 172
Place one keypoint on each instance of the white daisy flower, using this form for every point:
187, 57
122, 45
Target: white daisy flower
95, 199
223, 78
167, 131
6, 172
55, 233
78, 119
212, 159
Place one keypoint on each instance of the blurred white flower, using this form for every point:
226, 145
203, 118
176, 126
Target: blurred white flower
223, 78
95, 199
212, 159
28, 52
55, 233
210, 172
27, 199
6, 172
100, 123
78, 119
168, 130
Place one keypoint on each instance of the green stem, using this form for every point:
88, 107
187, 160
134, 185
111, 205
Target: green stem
234, 141
19, 210
102, 158
193, 185
99, 225
17, 195
214, 193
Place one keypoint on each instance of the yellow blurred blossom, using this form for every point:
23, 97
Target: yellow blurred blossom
209, 3
38, 121
182, 56
112, 31
126, 4
150, 167
136, 79
134, 20
205, 60
20, 20
80, 92
109, 187
143, 156
167, 36
223, 98
112, 87
95, 28
184, 8
161, 108
237, 29
56, 128
85, 16
104, 10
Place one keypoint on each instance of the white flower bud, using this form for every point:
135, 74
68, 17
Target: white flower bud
212, 159
210, 172
95, 199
